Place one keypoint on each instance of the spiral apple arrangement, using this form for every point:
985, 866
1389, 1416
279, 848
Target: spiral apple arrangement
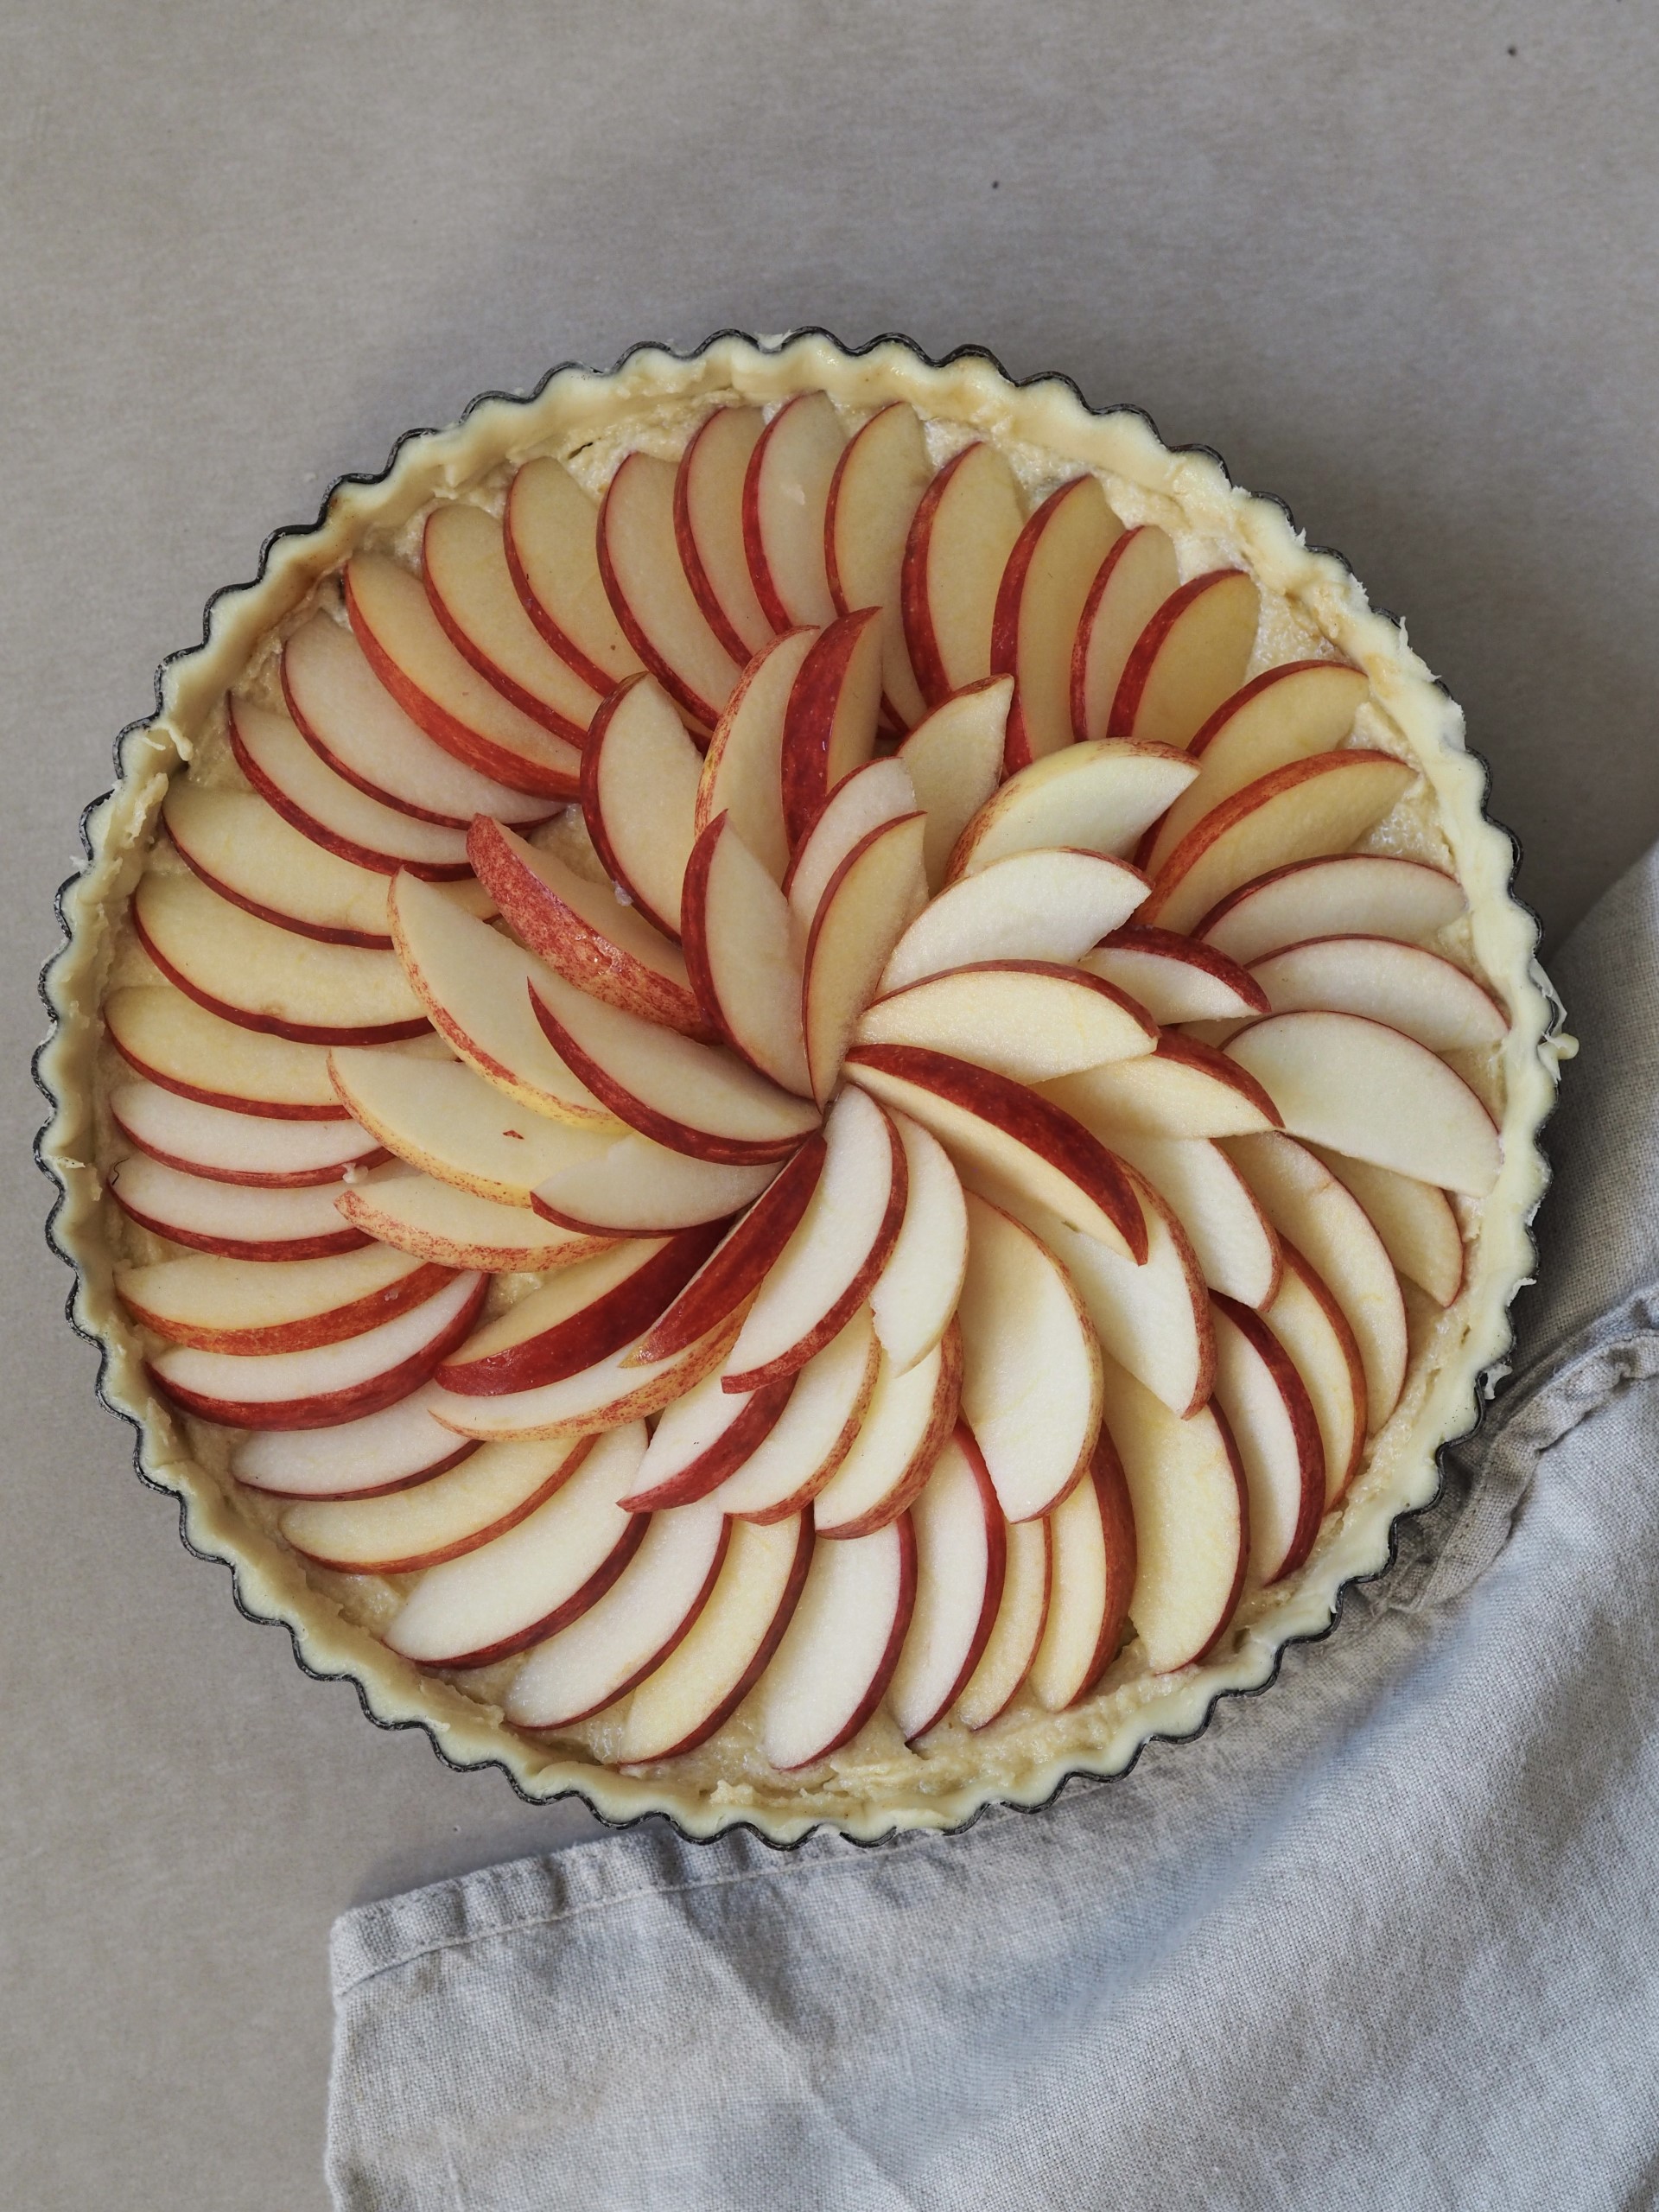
794, 1086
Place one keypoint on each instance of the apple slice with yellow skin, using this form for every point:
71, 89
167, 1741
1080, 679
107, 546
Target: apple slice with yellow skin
708, 528
1415, 1221
1040, 602
457, 1228
602, 1396
259, 1306
384, 1453
1192, 655
444, 1119
1139, 572
1232, 1239
585, 932
653, 602
228, 1147
993, 1124
635, 1187
639, 777
1416, 991
869, 905
1191, 1521
1313, 807
464, 560
1017, 1632
1182, 1090
295, 779
785, 499
880, 792
322, 1384
1091, 1576
441, 692
1031, 1363
1095, 798
1308, 1321
1051, 906
1272, 1422
1300, 708
1176, 978
168, 1038
475, 984
242, 847
906, 1424
873, 495
834, 711
404, 1531
961, 1557
539, 1576
1023, 1018
814, 1433
1370, 895
1373, 1093
915, 1294
587, 1665
236, 1220
832, 1667
964, 528
745, 954
838, 1248
551, 530
695, 1690
1317, 1213
742, 771
954, 759
701, 1438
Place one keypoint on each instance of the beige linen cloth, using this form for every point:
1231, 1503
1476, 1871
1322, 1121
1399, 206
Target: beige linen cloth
1386, 1936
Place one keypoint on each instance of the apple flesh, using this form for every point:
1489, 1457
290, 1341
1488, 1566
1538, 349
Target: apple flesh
355, 825
226, 1147
1191, 656
831, 1669
634, 1187
785, 499
639, 777
878, 792
1091, 1576
236, 1220
551, 533
814, 1433
1037, 906
1028, 1018
1176, 978
701, 1438
831, 724
1138, 574
383, 1452
963, 532
873, 495
243, 849
1411, 989
1017, 1632
405, 1531
1272, 1421
954, 756
653, 602
262, 1305
906, 1424
1182, 1090
1308, 1323
457, 1228
961, 1557
1040, 602
869, 905
914, 1296
708, 528
606, 1395
746, 953
742, 771
470, 586
168, 1038
1232, 1239
1370, 894
1416, 1222
1094, 798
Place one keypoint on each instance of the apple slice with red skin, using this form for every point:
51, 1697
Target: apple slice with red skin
1232, 1239
1309, 1324
878, 792
639, 777
906, 1424
1370, 894
873, 495
263, 1305
1017, 1632
1031, 1363
745, 954
327, 1383
551, 531
171, 1040
539, 1576
1300, 708
390, 1450
1191, 1521
838, 1248
235, 1220
813, 1434
742, 769
588, 1664
1028, 1019
1176, 978
1091, 1575
832, 1667
867, 906
834, 709
1093, 798
1271, 1419
1051, 906
1138, 574
638, 1188
961, 1557
1008, 1130
1191, 656
606, 1395
297, 782
954, 755
701, 1438
653, 602
464, 560
708, 528
1040, 602
444, 1119
589, 1310
1417, 992
228, 1147
1416, 1222
422, 1524
261, 977
242, 847
915, 1294
584, 932
457, 1228
1182, 1090
964, 528
785, 499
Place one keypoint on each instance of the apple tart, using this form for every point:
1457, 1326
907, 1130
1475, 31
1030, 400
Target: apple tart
796, 1087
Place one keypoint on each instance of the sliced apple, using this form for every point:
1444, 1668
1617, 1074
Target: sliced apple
915, 1294
1138, 574
742, 772
418, 1214
906, 1424
701, 1438
1031, 1365
1017, 1632
1052, 904
1308, 1321
814, 1433
1416, 1222
1370, 895
1372, 1093
873, 495
1091, 1577
383, 1452
650, 596
605, 1395
531, 1582
1182, 1090
228, 1147
1095, 798
954, 759
238, 1221
1191, 1521
552, 548
961, 1556
325, 809
262, 1305
1416, 991
444, 1119
1176, 978
162, 1034
325, 1384
635, 1187
832, 1667
1192, 655
1272, 1422
708, 528
639, 776
746, 952
243, 849
445, 1516
786, 498
869, 906
1231, 1238
1040, 602
964, 528
878, 792
830, 725
1024, 1018
464, 557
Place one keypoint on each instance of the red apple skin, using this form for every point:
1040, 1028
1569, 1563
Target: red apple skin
591, 813
997, 1534
946, 1408
694, 940
810, 719
884, 1673
348, 775
1224, 906
1105, 1471
1137, 670
599, 679
370, 941
418, 1562
335, 1326
1309, 1450
1339, 1321
572, 1608
1232, 1605
267, 1025
261, 1108
1135, 938
574, 733
1005, 619
344, 1239
468, 1446
309, 1180
1189, 1052
691, 561
723, 1457
702, 713
595, 1332
924, 657
754, 544
735, 1272
1085, 624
